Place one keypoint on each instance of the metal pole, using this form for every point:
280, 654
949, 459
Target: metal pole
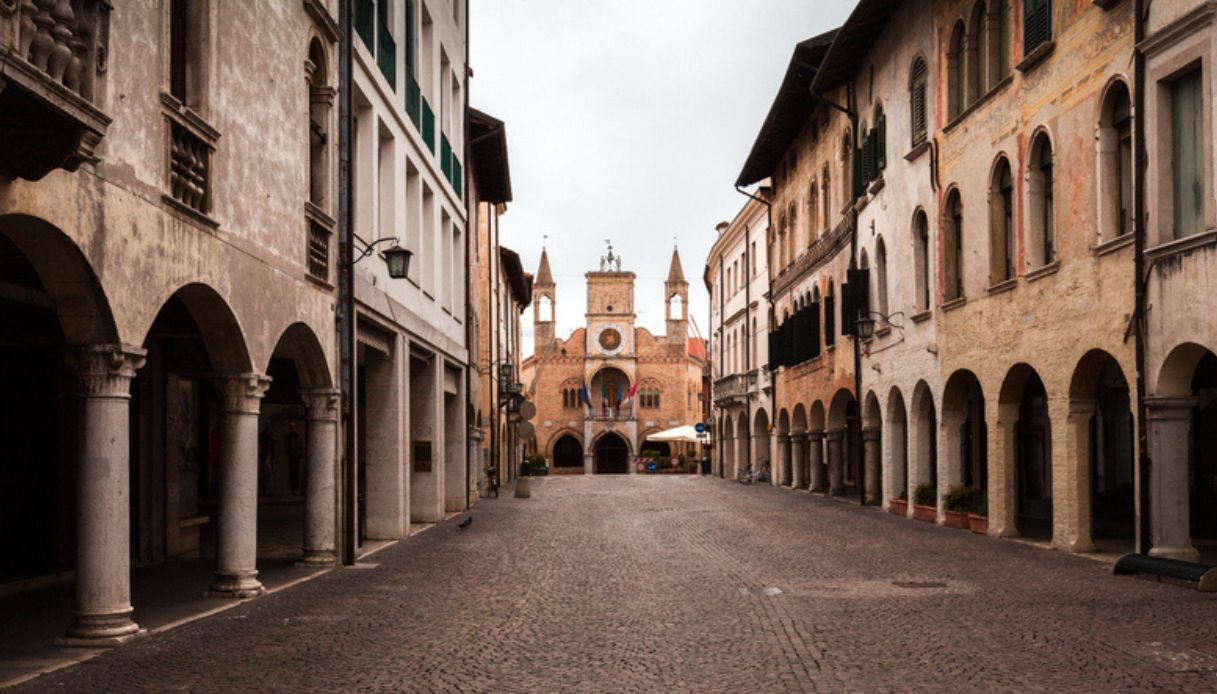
346, 286
1140, 160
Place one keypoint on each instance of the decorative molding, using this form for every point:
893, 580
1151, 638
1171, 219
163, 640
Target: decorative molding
106, 371
242, 393
1036, 56
1043, 271
1183, 245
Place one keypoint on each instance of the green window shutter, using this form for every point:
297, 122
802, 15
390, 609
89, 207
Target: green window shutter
445, 157
1037, 24
365, 22
458, 177
428, 129
413, 100
1187, 153
410, 38
386, 46
881, 143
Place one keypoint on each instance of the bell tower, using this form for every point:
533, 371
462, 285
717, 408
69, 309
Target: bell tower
543, 305
676, 302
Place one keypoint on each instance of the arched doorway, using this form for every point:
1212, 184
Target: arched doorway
1023, 395
923, 467
568, 453
842, 444
612, 455
872, 449
1101, 426
897, 448
760, 443
966, 433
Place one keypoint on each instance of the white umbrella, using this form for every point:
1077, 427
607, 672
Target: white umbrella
685, 433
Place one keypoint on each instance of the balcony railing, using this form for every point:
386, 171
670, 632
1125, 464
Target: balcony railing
605, 412
733, 386
50, 77
189, 168
318, 251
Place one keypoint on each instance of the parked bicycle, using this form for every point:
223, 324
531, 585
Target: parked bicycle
760, 474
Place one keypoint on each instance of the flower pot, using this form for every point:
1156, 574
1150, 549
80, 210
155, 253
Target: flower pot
900, 507
957, 519
978, 524
929, 514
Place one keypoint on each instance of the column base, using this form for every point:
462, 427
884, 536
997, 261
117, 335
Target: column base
101, 630
1078, 547
317, 558
239, 586
1181, 553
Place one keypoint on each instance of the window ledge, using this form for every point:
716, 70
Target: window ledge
324, 284
1183, 245
1003, 286
917, 151
1041, 272
975, 105
1036, 56
1113, 245
189, 212
921, 317
876, 186
954, 304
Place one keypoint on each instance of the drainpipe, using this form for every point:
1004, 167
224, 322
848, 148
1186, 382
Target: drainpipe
1139, 232
471, 215
773, 393
722, 363
346, 286
856, 189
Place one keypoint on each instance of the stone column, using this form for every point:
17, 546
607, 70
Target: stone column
870, 458
836, 462
815, 446
1072, 507
1003, 486
1170, 420
798, 447
319, 499
103, 516
781, 476
237, 541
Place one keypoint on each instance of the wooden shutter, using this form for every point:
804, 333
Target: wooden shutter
830, 320
1037, 24
859, 289
847, 309
881, 143
815, 329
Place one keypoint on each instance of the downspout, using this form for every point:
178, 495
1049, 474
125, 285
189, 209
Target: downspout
346, 285
1139, 233
773, 392
722, 364
471, 214
856, 190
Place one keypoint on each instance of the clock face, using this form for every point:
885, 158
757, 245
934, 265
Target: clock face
610, 339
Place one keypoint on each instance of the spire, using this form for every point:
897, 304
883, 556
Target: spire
544, 276
676, 273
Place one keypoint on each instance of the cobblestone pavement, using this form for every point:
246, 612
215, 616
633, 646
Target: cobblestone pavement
671, 584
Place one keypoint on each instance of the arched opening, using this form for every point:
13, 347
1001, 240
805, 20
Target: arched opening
842, 444
924, 465
784, 471
609, 388
545, 309
1115, 163
1001, 223
726, 438
568, 453
743, 444
898, 447
921, 259
847, 170
612, 455
1041, 210
872, 449
881, 277
977, 43
676, 307
761, 454
952, 247
1101, 426
287, 433
321, 100
826, 198
1182, 430
966, 435
1024, 400
956, 77
801, 469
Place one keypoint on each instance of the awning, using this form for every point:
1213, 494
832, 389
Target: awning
685, 433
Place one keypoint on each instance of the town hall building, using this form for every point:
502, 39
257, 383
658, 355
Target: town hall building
601, 391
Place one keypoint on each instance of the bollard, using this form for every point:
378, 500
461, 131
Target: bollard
522, 488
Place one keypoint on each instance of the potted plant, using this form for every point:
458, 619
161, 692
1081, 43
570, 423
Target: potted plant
979, 520
959, 502
537, 465
899, 505
924, 508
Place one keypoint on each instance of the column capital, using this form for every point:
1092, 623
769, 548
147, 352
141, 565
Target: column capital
242, 393
816, 436
321, 404
835, 435
800, 437
105, 371
871, 433
1167, 407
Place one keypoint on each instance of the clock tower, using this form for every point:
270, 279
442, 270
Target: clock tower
610, 309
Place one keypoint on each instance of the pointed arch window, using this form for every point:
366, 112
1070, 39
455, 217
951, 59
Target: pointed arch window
921, 259
1041, 210
1001, 224
830, 321
881, 276
1115, 163
956, 78
977, 53
953, 248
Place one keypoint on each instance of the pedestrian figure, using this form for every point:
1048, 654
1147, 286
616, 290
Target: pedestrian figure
295, 454
266, 457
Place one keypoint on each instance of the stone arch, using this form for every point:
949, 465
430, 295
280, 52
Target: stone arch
783, 469
964, 433
217, 324
1026, 465
923, 467
1178, 369
840, 443
566, 450
743, 443
761, 438
611, 453
299, 343
726, 435
896, 461
872, 448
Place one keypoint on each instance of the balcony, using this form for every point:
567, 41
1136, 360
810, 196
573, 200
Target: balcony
611, 414
739, 387
48, 79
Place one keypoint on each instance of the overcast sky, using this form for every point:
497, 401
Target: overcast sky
630, 120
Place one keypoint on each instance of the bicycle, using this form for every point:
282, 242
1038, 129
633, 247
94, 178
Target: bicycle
761, 474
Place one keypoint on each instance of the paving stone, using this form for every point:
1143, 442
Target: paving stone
644, 584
